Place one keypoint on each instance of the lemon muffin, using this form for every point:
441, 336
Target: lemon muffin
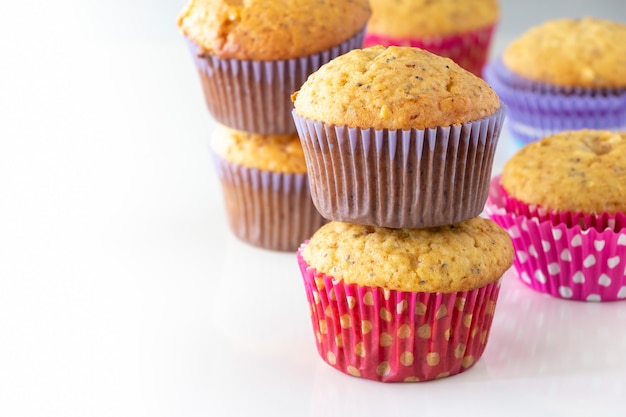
566, 74
252, 54
461, 30
404, 304
563, 201
265, 188
397, 137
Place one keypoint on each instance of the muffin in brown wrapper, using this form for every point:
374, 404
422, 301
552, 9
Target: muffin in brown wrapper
400, 178
268, 209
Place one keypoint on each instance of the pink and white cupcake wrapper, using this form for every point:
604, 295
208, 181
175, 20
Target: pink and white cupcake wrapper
395, 336
570, 262
400, 178
469, 49
537, 110
267, 209
255, 96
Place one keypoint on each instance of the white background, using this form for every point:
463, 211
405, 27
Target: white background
122, 292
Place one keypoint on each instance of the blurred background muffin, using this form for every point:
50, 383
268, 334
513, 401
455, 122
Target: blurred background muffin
563, 201
398, 137
561, 75
397, 305
265, 188
460, 30
251, 55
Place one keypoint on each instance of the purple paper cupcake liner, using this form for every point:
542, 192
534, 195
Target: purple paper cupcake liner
569, 262
400, 178
537, 110
267, 209
255, 96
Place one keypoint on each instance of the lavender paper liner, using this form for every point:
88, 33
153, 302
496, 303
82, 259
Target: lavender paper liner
468, 49
397, 336
400, 178
537, 110
570, 262
268, 209
255, 96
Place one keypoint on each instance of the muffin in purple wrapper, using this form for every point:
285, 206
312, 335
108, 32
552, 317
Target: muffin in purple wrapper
252, 55
398, 137
563, 75
265, 187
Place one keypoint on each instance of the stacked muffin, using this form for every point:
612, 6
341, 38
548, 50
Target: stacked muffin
251, 56
399, 144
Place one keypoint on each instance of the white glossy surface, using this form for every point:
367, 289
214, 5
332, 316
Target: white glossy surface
122, 292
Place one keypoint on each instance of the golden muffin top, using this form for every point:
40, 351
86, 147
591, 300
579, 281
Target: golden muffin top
581, 171
394, 88
451, 258
271, 30
584, 52
277, 153
431, 18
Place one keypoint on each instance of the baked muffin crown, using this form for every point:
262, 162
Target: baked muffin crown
585, 52
271, 30
450, 258
394, 88
579, 171
431, 18
278, 153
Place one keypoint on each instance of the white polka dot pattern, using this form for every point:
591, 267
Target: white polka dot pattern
564, 261
394, 336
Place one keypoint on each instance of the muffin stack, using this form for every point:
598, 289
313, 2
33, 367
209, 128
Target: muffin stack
399, 145
251, 56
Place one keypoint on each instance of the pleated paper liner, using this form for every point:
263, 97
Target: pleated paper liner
400, 178
395, 336
268, 209
255, 96
469, 49
565, 260
537, 110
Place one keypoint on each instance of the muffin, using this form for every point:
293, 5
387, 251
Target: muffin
397, 137
563, 201
397, 305
461, 30
265, 188
251, 55
566, 74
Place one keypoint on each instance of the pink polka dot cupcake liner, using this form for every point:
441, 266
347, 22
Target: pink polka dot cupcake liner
255, 96
567, 255
395, 336
400, 178
267, 209
469, 49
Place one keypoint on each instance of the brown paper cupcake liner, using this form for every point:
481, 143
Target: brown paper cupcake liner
267, 209
255, 96
400, 178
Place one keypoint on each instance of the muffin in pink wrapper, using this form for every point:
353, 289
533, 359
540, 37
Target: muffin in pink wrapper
563, 202
459, 30
398, 137
265, 188
252, 55
566, 74
403, 305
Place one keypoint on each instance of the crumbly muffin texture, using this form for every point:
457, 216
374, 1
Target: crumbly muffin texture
394, 88
583, 52
452, 258
277, 153
431, 18
271, 30
580, 171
